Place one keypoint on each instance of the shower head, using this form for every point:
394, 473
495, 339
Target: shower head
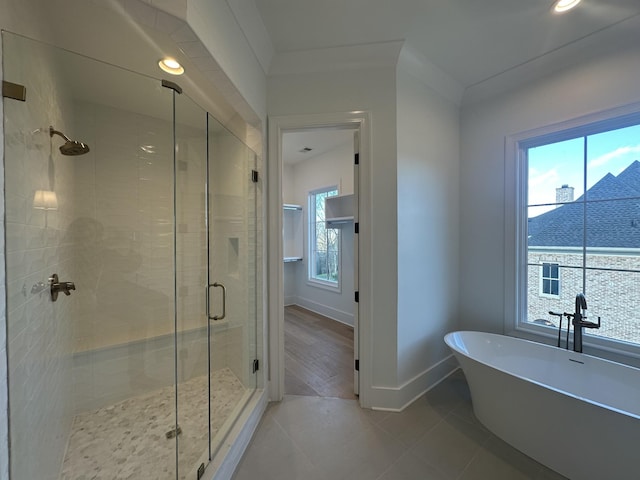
71, 147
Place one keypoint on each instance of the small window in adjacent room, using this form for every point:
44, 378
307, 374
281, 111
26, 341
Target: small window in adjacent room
550, 280
324, 243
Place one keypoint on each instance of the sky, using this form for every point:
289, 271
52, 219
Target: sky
556, 164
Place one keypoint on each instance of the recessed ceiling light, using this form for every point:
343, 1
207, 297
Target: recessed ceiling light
562, 6
170, 65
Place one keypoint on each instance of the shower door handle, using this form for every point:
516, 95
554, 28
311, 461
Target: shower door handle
224, 301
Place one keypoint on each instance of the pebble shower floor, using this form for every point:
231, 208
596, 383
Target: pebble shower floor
128, 440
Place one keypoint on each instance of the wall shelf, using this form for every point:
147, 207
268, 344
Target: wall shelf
339, 210
292, 233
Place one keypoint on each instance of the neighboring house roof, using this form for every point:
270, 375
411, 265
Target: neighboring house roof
613, 224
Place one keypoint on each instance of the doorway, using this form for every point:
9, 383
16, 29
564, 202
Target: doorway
319, 261
359, 123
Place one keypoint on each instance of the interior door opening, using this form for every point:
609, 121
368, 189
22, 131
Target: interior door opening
320, 193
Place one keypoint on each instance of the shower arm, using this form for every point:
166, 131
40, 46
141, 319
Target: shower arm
53, 132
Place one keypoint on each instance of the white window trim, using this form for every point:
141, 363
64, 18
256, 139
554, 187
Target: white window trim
335, 287
515, 252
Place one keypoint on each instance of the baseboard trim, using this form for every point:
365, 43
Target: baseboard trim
396, 399
224, 464
330, 312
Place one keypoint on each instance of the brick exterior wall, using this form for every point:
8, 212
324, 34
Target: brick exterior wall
614, 296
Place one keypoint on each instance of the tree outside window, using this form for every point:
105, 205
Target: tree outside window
324, 243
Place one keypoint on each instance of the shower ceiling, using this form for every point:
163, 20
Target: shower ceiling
110, 41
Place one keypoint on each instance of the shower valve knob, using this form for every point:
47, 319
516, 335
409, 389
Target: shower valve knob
57, 286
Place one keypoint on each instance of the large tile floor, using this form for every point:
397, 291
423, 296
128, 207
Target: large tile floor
436, 438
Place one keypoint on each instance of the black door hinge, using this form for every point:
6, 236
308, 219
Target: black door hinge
356, 227
254, 176
357, 366
200, 471
357, 296
357, 158
256, 365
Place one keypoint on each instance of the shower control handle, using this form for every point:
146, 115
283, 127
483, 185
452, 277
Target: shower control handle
57, 286
224, 301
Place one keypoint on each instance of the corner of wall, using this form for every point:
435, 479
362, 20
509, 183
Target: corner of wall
413, 62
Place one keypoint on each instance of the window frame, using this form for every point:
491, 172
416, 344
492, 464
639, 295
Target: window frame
515, 246
550, 278
311, 235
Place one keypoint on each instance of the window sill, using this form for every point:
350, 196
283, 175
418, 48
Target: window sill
332, 287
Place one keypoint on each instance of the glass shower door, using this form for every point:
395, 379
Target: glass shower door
233, 295
91, 374
192, 329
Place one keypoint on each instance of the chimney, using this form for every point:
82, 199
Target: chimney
564, 194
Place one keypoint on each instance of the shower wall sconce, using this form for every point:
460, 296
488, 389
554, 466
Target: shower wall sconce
45, 200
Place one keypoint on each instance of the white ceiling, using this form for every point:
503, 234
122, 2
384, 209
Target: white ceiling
471, 40
320, 141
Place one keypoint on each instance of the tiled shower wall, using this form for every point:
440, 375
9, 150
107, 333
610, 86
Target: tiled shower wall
112, 234
125, 228
233, 245
4, 400
39, 331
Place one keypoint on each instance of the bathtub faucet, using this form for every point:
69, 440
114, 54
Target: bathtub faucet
578, 321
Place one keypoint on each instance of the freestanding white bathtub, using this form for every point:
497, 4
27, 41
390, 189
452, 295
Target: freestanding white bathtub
577, 414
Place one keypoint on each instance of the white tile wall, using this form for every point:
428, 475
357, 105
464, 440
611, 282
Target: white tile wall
4, 405
39, 331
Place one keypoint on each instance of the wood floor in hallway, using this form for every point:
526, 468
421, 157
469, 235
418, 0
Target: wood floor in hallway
318, 355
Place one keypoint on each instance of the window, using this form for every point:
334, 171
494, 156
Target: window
550, 284
579, 219
324, 243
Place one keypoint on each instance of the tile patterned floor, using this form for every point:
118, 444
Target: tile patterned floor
436, 438
127, 440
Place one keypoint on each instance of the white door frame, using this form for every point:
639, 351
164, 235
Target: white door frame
277, 126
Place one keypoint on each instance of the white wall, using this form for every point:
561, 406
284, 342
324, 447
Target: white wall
428, 219
332, 168
214, 22
592, 86
371, 90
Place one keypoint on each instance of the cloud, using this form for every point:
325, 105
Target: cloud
537, 178
542, 187
618, 152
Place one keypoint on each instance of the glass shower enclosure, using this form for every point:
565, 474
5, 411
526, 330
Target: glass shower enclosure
132, 272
